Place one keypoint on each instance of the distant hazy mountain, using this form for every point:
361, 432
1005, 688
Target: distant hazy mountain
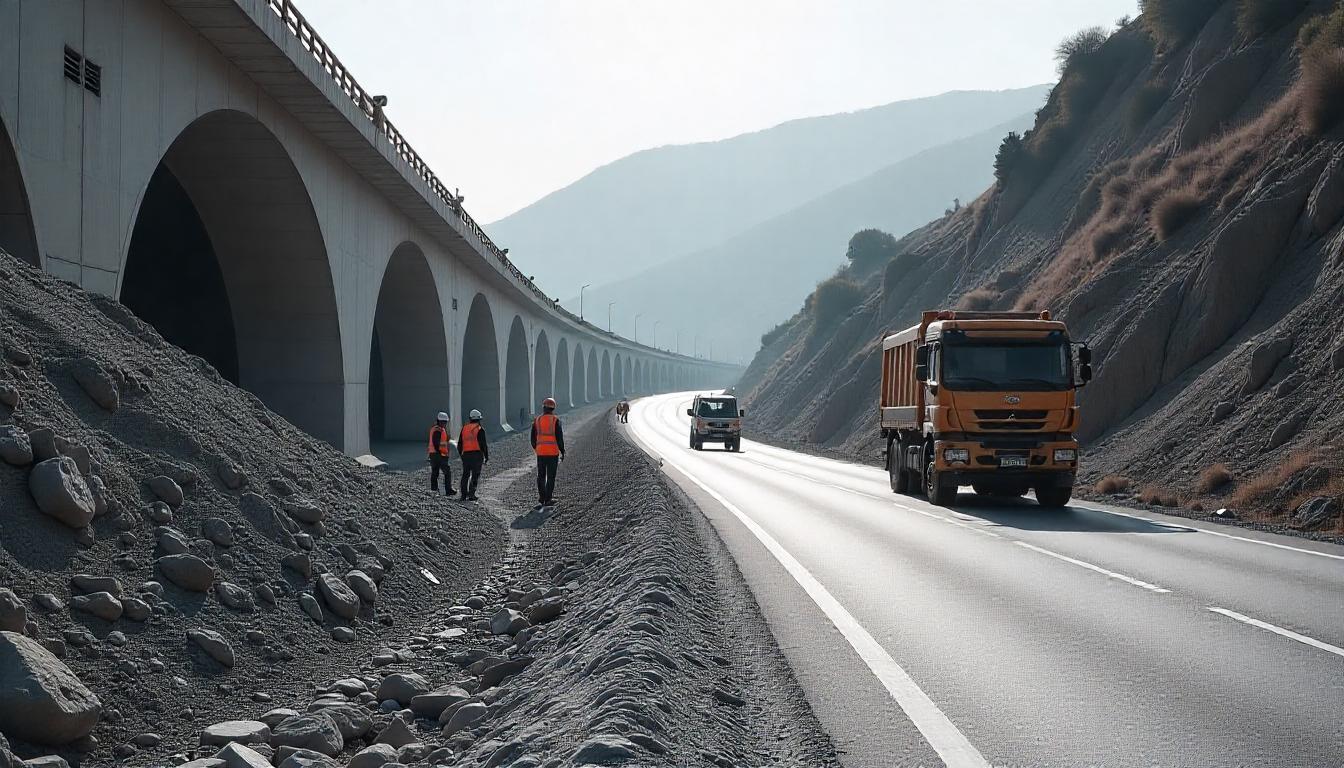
740, 288
662, 203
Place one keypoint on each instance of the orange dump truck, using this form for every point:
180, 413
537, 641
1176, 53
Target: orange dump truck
985, 399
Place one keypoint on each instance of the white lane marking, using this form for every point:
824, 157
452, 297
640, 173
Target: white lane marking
1091, 567
951, 744
1220, 533
1288, 633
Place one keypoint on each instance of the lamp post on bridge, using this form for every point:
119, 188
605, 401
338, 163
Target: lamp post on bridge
585, 285
637, 316
609, 306
655, 333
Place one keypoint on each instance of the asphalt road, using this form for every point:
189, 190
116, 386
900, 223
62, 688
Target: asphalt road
1003, 634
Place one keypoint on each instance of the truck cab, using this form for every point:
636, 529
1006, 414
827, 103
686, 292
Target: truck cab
716, 419
986, 399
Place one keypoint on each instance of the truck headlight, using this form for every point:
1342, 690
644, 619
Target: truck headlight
954, 455
1066, 454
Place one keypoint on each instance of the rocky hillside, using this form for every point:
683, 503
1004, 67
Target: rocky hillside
1179, 203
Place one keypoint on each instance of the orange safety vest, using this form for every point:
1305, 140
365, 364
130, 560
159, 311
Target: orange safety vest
546, 442
471, 438
443, 440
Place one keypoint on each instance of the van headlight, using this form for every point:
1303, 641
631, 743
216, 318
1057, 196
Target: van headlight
1066, 454
955, 455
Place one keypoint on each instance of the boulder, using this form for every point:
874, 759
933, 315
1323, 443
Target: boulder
353, 722
231, 475
508, 622
15, 448
96, 383
545, 610
233, 596
433, 704
9, 396
496, 673
87, 582
375, 756
43, 442
1316, 512
60, 492
187, 571
41, 700
213, 644
303, 510
1222, 410
173, 541
135, 609
310, 606
299, 562
363, 586
402, 687
603, 750
167, 489
160, 513
98, 490
340, 598
465, 715
218, 531
238, 756
397, 734
1264, 359
304, 758
236, 731
13, 613
273, 717
316, 732
1286, 430
344, 634
100, 604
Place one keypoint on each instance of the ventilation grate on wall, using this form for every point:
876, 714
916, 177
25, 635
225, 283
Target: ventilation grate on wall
74, 65
93, 78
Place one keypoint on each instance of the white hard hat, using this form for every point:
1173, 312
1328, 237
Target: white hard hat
442, 416
475, 415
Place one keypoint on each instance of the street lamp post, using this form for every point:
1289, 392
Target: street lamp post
585, 285
609, 305
637, 327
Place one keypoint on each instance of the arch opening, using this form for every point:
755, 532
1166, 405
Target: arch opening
18, 235
227, 260
517, 377
593, 374
605, 389
543, 385
563, 377
580, 375
618, 375
408, 352
480, 365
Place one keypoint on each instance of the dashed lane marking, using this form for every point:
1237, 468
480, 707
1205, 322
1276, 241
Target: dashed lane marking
1097, 568
1288, 633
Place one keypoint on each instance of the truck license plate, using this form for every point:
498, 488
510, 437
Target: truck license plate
1012, 461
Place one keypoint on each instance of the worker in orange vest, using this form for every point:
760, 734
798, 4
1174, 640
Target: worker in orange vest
548, 440
475, 452
439, 446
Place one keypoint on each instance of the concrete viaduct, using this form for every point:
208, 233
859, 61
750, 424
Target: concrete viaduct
214, 166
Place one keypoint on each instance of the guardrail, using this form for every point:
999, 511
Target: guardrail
312, 42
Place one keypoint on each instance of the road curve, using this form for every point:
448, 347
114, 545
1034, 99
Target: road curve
1007, 635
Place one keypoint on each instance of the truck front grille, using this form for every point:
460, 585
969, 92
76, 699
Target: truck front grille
1013, 426
1009, 413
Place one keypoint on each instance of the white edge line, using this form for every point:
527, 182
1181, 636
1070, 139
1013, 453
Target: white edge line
1091, 567
1288, 633
1198, 529
952, 746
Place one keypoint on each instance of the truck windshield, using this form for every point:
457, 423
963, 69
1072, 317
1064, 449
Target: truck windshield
993, 366
717, 409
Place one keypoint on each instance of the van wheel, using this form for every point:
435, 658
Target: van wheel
938, 493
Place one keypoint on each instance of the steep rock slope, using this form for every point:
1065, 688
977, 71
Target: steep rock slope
1179, 204
670, 201
738, 289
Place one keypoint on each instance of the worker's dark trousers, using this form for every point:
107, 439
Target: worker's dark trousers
471, 471
546, 466
437, 464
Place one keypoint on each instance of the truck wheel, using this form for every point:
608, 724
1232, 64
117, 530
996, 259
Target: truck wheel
900, 479
1053, 496
939, 494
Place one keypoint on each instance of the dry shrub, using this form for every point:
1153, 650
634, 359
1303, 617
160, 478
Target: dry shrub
1320, 91
1147, 100
1258, 488
1221, 170
834, 298
1172, 22
1158, 496
1258, 17
1112, 484
1173, 211
978, 299
1213, 478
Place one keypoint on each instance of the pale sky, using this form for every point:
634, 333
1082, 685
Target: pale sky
511, 99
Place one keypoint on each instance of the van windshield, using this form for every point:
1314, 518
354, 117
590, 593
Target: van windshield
993, 366
718, 409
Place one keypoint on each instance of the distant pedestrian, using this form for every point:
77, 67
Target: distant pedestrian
548, 440
439, 446
623, 411
475, 452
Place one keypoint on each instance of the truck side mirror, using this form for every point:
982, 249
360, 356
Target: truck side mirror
742, 412
690, 412
922, 372
922, 362
1084, 354
1085, 372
